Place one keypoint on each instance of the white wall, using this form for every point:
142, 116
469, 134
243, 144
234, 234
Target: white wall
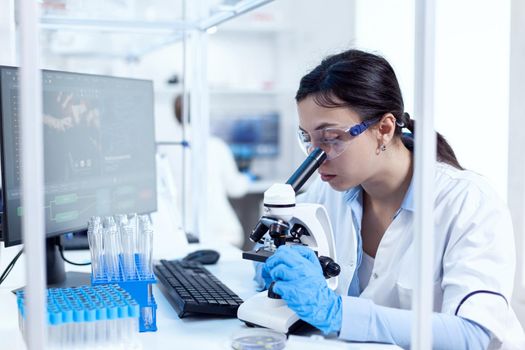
471, 95
472, 77
386, 27
313, 30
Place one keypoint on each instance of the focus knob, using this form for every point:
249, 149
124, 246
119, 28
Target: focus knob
272, 294
329, 266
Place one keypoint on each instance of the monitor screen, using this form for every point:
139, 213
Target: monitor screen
249, 136
99, 149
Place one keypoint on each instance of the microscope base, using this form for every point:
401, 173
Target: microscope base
262, 311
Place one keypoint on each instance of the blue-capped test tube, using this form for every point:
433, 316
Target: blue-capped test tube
78, 318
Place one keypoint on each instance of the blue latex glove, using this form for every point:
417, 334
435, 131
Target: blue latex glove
261, 277
266, 277
301, 284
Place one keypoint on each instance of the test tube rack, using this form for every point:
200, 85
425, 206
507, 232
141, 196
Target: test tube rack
139, 286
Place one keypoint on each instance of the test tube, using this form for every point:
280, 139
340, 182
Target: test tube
96, 246
66, 336
92, 248
21, 309
90, 326
111, 248
122, 222
121, 219
133, 221
108, 261
112, 334
146, 246
134, 225
100, 330
128, 251
98, 233
78, 319
54, 318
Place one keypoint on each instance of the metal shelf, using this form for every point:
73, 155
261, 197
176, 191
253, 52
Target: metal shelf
227, 13
140, 36
101, 25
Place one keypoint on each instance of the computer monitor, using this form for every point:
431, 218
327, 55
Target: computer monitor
99, 153
249, 136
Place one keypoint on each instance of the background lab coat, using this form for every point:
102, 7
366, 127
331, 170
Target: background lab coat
224, 180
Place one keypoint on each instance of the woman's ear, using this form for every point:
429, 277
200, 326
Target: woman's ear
385, 129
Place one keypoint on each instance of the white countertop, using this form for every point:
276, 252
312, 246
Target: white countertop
173, 332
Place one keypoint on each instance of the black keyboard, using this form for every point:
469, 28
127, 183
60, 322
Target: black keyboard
190, 288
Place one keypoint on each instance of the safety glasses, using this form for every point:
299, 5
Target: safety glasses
333, 141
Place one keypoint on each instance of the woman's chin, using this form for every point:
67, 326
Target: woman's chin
338, 183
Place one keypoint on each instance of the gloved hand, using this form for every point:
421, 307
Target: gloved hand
266, 277
261, 277
300, 282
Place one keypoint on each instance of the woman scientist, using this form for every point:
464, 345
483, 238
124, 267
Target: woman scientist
351, 106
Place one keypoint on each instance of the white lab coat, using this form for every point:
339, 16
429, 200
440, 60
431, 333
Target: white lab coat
474, 258
224, 180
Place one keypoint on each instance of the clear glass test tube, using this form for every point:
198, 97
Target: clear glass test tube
146, 239
128, 250
96, 246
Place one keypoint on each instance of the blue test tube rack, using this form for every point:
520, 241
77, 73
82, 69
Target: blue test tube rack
139, 286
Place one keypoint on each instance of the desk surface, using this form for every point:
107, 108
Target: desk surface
173, 332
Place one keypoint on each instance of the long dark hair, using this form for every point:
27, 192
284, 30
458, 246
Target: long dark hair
367, 84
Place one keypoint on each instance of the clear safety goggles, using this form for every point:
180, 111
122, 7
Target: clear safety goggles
333, 141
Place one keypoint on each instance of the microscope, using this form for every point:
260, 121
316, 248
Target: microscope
286, 222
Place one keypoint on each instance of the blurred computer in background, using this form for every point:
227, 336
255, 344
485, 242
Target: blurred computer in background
250, 136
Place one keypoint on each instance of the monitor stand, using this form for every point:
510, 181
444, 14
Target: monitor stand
56, 275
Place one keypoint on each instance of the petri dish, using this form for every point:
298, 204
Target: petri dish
258, 339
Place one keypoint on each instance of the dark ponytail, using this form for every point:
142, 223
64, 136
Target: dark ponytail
367, 84
444, 152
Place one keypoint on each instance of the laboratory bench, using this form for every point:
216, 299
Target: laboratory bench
200, 332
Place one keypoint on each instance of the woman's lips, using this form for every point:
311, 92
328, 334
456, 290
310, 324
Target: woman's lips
327, 177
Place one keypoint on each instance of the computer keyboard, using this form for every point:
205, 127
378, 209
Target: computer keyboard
191, 288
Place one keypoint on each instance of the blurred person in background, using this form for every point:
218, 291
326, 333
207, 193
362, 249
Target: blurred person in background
224, 180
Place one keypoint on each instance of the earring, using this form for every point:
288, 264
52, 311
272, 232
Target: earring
383, 148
